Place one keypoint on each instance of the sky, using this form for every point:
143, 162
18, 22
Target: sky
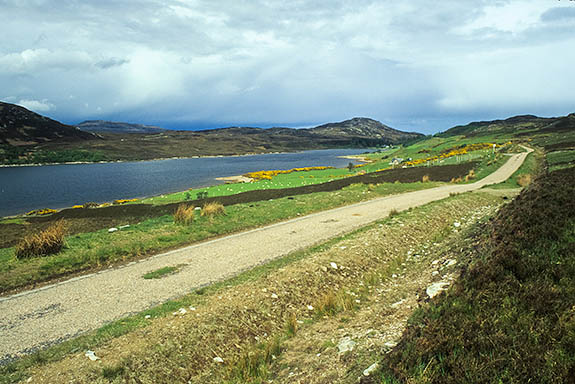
415, 65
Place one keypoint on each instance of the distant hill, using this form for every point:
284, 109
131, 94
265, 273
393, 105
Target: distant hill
19, 126
116, 127
360, 128
364, 127
27, 137
518, 126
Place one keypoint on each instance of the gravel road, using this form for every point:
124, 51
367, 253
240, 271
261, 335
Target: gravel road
48, 315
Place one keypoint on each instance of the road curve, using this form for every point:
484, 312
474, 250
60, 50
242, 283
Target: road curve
35, 319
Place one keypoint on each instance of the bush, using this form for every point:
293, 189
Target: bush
213, 209
425, 179
47, 242
184, 214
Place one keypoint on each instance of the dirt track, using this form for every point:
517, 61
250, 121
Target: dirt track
33, 319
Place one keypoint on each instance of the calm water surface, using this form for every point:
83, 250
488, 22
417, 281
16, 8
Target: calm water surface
57, 186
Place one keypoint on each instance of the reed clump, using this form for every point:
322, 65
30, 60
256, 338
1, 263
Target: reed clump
184, 214
48, 242
213, 209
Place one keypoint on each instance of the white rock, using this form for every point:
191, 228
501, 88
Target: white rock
395, 305
394, 276
435, 288
369, 370
390, 344
434, 262
434, 273
148, 317
457, 224
274, 296
450, 263
181, 311
91, 355
112, 230
198, 209
310, 308
192, 308
333, 265
346, 345
343, 247
218, 359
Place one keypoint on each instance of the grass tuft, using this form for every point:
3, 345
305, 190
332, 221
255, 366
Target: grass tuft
159, 273
425, 179
213, 209
393, 212
184, 214
48, 242
524, 180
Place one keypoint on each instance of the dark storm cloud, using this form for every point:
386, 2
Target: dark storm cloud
417, 63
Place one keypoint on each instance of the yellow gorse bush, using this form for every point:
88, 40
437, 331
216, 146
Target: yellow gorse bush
41, 212
453, 152
267, 175
124, 201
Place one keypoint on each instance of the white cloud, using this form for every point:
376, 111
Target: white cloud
36, 105
296, 62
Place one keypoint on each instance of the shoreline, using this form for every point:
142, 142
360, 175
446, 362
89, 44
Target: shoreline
155, 159
357, 158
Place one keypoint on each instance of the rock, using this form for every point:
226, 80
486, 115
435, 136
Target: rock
148, 317
343, 247
91, 355
346, 345
434, 262
434, 273
457, 224
181, 311
394, 276
371, 369
310, 308
396, 305
198, 209
192, 308
450, 262
390, 344
124, 226
274, 296
112, 230
435, 288
333, 265
218, 360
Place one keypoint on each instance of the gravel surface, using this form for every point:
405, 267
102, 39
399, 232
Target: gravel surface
48, 315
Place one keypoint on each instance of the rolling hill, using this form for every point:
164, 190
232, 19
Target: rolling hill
21, 127
26, 137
